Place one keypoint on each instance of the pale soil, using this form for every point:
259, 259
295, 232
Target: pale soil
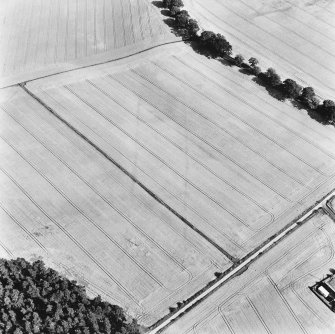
48, 36
64, 202
235, 162
272, 296
297, 38
332, 204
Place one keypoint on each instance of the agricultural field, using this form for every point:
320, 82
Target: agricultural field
296, 37
234, 162
42, 37
65, 203
273, 295
331, 204
144, 170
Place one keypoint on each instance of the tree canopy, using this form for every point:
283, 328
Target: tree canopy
291, 88
36, 299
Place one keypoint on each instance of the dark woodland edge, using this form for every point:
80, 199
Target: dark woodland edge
36, 299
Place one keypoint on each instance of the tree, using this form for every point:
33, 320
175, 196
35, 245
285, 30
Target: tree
239, 59
313, 103
256, 70
207, 38
167, 3
173, 3
291, 88
182, 19
44, 302
328, 109
175, 10
253, 62
307, 94
272, 77
222, 46
192, 27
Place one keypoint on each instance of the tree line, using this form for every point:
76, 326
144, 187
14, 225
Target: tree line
36, 299
218, 46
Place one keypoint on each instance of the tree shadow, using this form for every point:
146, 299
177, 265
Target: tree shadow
158, 4
246, 69
166, 12
274, 92
312, 113
230, 62
171, 24
198, 47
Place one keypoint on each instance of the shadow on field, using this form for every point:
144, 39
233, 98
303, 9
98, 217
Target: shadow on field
158, 4
314, 114
244, 68
274, 92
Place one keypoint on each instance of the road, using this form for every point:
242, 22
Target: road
241, 266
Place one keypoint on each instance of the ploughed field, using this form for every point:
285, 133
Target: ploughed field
64, 202
273, 295
234, 162
47, 36
296, 37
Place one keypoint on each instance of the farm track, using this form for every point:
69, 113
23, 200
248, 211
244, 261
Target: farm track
258, 314
109, 202
307, 194
184, 203
92, 65
309, 215
48, 35
191, 155
128, 174
178, 199
155, 196
282, 297
164, 162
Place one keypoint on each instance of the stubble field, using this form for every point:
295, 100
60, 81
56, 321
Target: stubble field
226, 156
273, 295
62, 201
297, 38
48, 36
212, 146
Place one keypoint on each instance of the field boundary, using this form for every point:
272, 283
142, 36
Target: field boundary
242, 265
132, 177
19, 82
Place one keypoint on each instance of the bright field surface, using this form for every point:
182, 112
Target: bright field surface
331, 204
273, 295
236, 163
64, 202
39, 37
296, 37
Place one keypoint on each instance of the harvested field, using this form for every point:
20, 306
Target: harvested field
40, 37
331, 204
296, 37
273, 295
236, 163
64, 202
